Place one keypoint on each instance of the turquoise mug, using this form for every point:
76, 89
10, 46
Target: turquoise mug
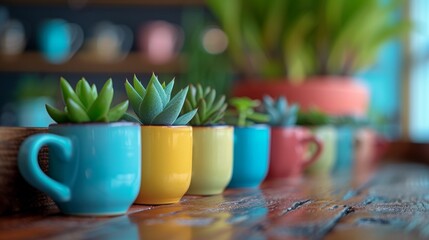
345, 149
251, 156
94, 168
59, 40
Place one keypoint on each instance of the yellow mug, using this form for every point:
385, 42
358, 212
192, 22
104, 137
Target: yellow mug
166, 164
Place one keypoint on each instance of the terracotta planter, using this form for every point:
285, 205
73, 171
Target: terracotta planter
333, 95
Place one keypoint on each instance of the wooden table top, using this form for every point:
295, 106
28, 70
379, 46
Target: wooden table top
390, 203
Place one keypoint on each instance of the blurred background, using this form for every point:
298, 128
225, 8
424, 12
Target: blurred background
218, 43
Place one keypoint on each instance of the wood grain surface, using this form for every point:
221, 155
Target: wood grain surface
390, 203
15, 193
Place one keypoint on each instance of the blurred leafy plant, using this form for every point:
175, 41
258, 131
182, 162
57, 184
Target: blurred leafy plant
313, 117
281, 114
85, 104
210, 110
153, 105
243, 112
33, 86
297, 39
207, 69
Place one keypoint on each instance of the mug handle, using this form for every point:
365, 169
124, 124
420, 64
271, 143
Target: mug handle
316, 154
29, 166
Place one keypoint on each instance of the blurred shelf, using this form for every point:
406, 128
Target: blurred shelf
106, 2
81, 62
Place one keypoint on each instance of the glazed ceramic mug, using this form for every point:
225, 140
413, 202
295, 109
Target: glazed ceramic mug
212, 155
345, 156
325, 163
94, 168
288, 156
166, 164
59, 40
251, 156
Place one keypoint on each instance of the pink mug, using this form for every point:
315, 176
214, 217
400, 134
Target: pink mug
289, 150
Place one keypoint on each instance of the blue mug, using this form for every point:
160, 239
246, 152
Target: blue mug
94, 169
251, 156
345, 149
59, 40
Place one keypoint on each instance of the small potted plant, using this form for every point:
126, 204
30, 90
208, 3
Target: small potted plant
166, 143
251, 143
321, 125
94, 168
288, 152
212, 142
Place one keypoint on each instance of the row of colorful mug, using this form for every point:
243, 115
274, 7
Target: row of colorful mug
58, 40
347, 149
101, 169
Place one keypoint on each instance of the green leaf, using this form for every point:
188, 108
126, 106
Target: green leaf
187, 106
161, 92
134, 97
139, 87
57, 115
258, 117
78, 90
69, 93
168, 89
94, 92
192, 95
86, 95
130, 118
101, 105
169, 115
151, 105
76, 112
211, 95
185, 118
202, 109
117, 112
200, 92
218, 104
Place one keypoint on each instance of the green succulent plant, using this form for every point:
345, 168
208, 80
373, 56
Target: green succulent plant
313, 117
153, 105
210, 110
281, 115
244, 113
85, 104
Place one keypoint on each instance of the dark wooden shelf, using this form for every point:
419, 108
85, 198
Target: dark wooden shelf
81, 62
107, 2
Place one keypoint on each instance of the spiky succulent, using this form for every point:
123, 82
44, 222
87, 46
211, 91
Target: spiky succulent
84, 104
210, 109
281, 115
153, 105
244, 113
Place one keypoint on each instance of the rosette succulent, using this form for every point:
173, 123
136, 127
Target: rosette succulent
210, 110
281, 114
85, 104
153, 105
